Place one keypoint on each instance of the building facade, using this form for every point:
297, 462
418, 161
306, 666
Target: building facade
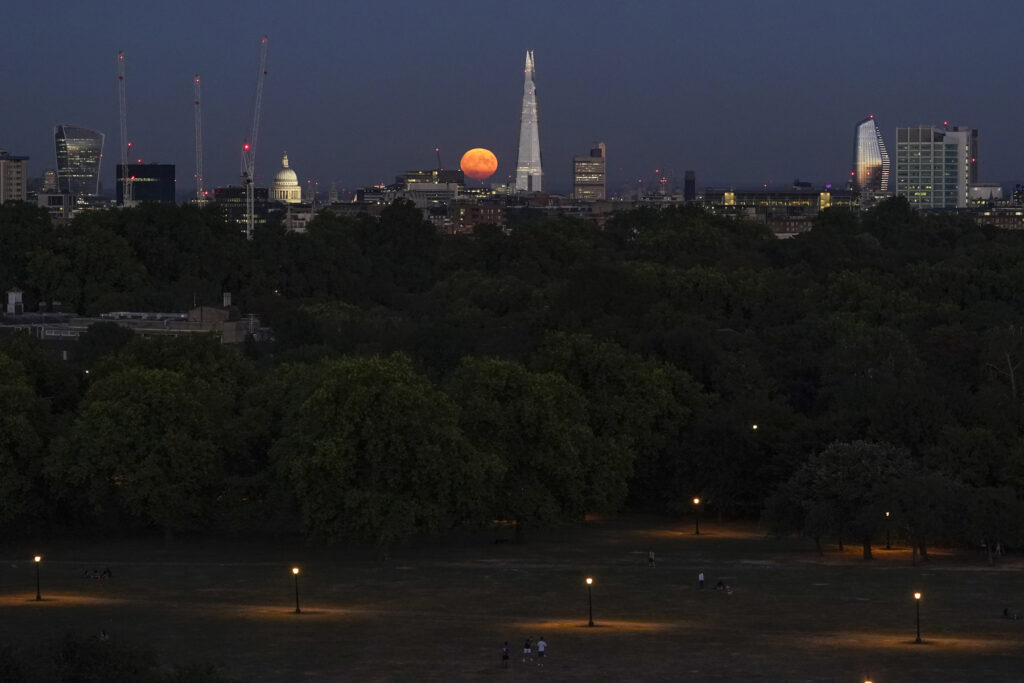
690, 186
871, 165
79, 153
285, 187
231, 200
13, 178
935, 166
49, 180
529, 171
150, 182
589, 175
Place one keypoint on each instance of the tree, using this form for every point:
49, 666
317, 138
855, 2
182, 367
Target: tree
20, 442
536, 426
376, 452
24, 231
993, 517
104, 272
844, 490
637, 407
147, 442
100, 340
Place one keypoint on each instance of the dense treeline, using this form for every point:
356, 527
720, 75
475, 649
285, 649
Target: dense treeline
420, 381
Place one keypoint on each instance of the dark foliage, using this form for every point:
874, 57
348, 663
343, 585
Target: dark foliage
679, 331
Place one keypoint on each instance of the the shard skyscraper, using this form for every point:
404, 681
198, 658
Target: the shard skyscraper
529, 173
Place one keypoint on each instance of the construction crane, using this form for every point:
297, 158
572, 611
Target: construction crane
249, 146
199, 146
127, 193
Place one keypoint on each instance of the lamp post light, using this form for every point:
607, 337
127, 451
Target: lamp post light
38, 559
753, 427
295, 573
887, 529
917, 602
590, 601
696, 516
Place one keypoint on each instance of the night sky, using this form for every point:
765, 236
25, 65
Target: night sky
745, 93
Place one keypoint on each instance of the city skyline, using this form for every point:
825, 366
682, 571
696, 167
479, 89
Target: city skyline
359, 94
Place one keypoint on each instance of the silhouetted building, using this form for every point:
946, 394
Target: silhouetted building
13, 180
529, 172
231, 201
690, 186
150, 182
79, 153
442, 176
589, 174
936, 166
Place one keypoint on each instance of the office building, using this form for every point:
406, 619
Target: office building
589, 175
13, 180
690, 186
150, 182
935, 167
444, 176
870, 173
231, 201
529, 173
79, 153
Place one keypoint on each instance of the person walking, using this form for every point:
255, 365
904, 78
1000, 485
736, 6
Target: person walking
650, 559
700, 579
527, 650
542, 646
504, 655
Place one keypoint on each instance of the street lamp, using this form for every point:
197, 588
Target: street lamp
38, 559
696, 516
917, 602
753, 427
590, 601
295, 573
887, 528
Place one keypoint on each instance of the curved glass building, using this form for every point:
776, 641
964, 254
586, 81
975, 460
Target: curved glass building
529, 173
870, 160
79, 153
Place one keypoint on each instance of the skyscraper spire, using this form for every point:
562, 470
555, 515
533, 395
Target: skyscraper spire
529, 173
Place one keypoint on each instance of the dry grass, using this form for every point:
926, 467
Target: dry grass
441, 612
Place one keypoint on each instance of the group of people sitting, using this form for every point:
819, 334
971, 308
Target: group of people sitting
94, 574
1007, 614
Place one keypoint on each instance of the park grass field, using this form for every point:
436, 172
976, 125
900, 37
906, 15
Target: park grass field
441, 611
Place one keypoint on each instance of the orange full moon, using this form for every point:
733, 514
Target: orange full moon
479, 163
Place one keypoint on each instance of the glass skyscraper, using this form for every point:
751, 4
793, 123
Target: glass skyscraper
79, 153
870, 160
529, 173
